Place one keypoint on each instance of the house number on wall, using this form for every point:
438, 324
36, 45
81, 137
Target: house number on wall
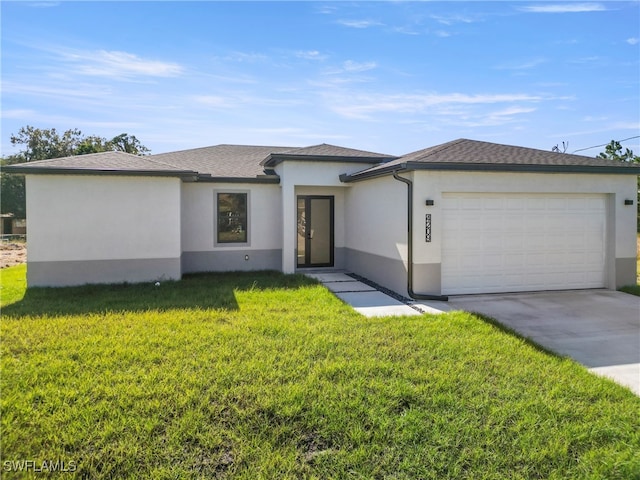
427, 228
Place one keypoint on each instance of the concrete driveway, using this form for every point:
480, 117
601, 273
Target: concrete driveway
598, 328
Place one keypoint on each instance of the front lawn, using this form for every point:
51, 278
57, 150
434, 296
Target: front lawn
270, 376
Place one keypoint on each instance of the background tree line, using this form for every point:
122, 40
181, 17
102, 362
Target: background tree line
44, 144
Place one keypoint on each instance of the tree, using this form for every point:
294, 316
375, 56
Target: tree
127, 143
613, 151
44, 144
12, 191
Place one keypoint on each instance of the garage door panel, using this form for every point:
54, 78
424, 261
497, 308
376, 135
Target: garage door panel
522, 242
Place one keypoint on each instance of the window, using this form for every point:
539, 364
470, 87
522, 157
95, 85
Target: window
232, 217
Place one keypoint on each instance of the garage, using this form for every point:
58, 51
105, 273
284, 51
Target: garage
516, 242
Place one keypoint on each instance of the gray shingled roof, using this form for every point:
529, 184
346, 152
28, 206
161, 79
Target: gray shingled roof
104, 162
463, 154
216, 163
326, 152
253, 163
231, 161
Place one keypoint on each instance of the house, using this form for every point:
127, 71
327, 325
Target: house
13, 226
459, 218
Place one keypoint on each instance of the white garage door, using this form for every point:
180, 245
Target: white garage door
522, 242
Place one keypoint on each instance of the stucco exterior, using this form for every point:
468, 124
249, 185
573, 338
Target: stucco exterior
377, 230
114, 217
298, 177
200, 251
99, 229
620, 228
376, 238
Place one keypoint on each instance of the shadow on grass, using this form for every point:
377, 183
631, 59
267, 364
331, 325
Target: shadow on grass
205, 291
510, 331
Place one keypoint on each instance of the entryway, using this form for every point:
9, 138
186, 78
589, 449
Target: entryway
315, 225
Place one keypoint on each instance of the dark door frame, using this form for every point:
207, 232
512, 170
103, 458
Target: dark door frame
307, 245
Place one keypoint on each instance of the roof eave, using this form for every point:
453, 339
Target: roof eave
529, 168
492, 167
380, 172
31, 170
264, 179
274, 159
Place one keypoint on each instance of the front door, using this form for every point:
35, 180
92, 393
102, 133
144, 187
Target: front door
315, 231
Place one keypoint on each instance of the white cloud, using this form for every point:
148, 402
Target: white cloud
214, 101
632, 41
406, 30
117, 64
359, 23
84, 91
234, 100
526, 65
18, 113
326, 9
310, 55
351, 66
512, 111
564, 8
243, 57
363, 106
452, 19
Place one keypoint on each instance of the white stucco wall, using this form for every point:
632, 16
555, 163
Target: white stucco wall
432, 184
376, 221
376, 217
325, 174
78, 218
199, 216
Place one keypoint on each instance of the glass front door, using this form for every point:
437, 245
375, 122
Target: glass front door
315, 231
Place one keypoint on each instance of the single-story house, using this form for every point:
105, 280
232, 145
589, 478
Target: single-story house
463, 217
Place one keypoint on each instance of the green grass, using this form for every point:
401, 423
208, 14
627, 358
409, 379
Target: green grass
269, 376
632, 289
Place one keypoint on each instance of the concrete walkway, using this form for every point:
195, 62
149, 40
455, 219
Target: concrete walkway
598, 328
365, 299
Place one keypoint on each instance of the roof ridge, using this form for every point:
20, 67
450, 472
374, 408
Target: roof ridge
445, 146
158, 162
220, 145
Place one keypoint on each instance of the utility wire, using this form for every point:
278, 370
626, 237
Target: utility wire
604, 144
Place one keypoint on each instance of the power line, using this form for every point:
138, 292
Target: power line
604, 144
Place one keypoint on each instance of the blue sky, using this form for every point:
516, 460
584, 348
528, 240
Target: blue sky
391, 77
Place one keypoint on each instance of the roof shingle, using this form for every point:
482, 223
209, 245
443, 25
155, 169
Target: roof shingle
232, 161
464, 154
98, 162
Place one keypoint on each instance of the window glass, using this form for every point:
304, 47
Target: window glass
232, 217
